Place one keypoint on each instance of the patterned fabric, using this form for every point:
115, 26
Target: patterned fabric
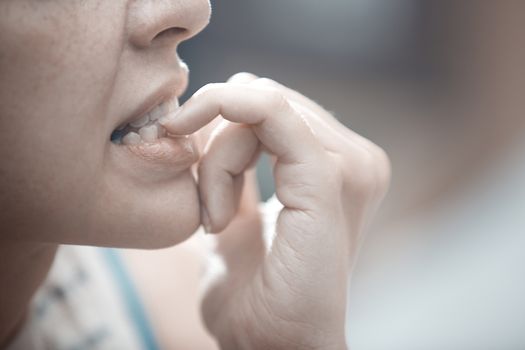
86, 302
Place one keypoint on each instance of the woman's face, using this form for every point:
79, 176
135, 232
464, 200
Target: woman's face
71, 73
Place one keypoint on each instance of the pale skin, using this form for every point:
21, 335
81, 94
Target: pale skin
73, 71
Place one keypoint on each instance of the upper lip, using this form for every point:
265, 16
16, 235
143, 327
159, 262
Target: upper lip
174, 87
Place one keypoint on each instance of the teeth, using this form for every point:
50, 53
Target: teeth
146, 134
141, 122
159, 111
146, 129
173, 104
131, 138
149, 133
162, 110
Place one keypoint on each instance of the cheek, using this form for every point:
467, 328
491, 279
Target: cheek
58, 81
57, 72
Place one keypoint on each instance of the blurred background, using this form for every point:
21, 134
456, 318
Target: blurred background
379, 65
349, 55
439, 85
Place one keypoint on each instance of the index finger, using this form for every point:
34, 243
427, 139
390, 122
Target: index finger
302, 170
281, 128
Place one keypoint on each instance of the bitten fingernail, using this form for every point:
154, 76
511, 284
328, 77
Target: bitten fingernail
166, 120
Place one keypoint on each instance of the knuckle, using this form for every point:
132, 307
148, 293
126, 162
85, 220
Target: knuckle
365, 177
242, 76
370, 175
266, 82
276, 100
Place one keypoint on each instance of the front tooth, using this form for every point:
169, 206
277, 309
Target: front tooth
149, 133
173, 104
131, 138
141, 122
160, 111
161, 131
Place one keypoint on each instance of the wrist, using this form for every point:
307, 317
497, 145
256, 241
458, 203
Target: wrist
249, 335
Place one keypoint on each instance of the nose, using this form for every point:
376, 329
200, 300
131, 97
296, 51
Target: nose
166, 22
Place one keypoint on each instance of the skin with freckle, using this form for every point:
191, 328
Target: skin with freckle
74, 72
59, 167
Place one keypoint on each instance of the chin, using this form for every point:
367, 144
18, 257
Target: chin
146, 215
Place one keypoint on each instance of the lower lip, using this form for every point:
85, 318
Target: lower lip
168, 154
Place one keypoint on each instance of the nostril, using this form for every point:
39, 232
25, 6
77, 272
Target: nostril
170, 33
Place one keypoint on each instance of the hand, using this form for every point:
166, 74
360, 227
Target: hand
292, 294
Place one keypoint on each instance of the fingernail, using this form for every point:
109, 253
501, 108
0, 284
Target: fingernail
170, 117
205, 219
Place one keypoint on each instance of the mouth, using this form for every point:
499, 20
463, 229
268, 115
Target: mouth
142, 139
145, 128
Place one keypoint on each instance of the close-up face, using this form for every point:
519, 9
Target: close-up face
79, 81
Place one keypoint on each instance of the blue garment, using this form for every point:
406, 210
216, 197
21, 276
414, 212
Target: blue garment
133, 303
87, 301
